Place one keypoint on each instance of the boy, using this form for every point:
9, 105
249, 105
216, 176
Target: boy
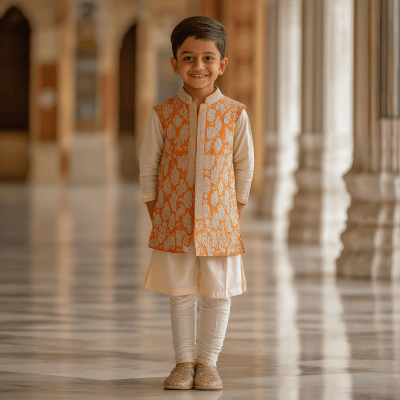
196, 167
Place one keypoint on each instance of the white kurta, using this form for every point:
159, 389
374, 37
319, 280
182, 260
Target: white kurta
185, 273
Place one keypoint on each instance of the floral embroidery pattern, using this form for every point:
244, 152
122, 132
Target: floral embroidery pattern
217, 230
196, 186
172, 217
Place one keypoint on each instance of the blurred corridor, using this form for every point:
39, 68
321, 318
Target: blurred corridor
76, 323
321, 82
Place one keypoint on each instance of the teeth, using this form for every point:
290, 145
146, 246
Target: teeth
199, 76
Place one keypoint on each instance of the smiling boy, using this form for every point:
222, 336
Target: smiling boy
196, 168
199, 63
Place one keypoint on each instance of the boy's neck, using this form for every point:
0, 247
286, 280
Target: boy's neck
199, 95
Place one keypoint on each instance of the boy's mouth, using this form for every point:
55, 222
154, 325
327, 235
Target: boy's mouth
198, 76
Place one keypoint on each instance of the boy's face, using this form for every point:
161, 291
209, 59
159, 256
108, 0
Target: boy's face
199, 64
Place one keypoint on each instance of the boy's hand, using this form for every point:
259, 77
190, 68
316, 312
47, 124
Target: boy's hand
240, 207
150, 207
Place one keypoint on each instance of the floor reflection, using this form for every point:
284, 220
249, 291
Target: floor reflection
76, 323
289, 347
395, 293
335, 347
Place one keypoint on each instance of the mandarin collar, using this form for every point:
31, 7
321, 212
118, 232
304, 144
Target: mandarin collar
212, 98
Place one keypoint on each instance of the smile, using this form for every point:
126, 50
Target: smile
198, 76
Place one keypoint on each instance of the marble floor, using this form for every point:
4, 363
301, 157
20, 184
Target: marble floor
75, 322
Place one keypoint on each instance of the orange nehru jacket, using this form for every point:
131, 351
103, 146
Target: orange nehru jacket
196, 183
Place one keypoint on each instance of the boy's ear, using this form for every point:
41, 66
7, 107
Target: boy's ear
174, 64
222, 65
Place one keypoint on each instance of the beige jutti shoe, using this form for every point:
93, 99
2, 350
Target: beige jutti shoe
207, 378
181, 377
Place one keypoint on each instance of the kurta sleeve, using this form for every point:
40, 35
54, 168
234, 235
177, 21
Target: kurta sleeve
150, 157
243, 157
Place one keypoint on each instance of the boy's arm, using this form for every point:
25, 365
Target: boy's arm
243, 160
150, 158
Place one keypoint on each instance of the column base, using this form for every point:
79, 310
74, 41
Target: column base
128, 159
45, 163
372, 237
88, 159
319, 210
14, 156
278, 187
305, 216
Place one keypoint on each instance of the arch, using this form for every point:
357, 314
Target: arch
15, 33
25, 7
123, 28
129, 165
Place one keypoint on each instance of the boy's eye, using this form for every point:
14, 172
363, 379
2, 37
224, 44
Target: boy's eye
207, 58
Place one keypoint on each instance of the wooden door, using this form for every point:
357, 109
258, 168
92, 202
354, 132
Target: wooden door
14, 96
129, 163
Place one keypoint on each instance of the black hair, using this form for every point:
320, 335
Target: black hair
201, 28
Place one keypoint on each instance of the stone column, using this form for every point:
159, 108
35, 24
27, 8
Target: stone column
282, 111
45, 148
67, 83
146, 95
371, 240
305, 216
108, 92
88, 146
244, 76
318, 213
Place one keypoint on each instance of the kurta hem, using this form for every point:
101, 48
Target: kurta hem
194, 290
165, 290
151, 284
221, 295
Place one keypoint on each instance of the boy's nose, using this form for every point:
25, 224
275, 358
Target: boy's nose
198, 64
